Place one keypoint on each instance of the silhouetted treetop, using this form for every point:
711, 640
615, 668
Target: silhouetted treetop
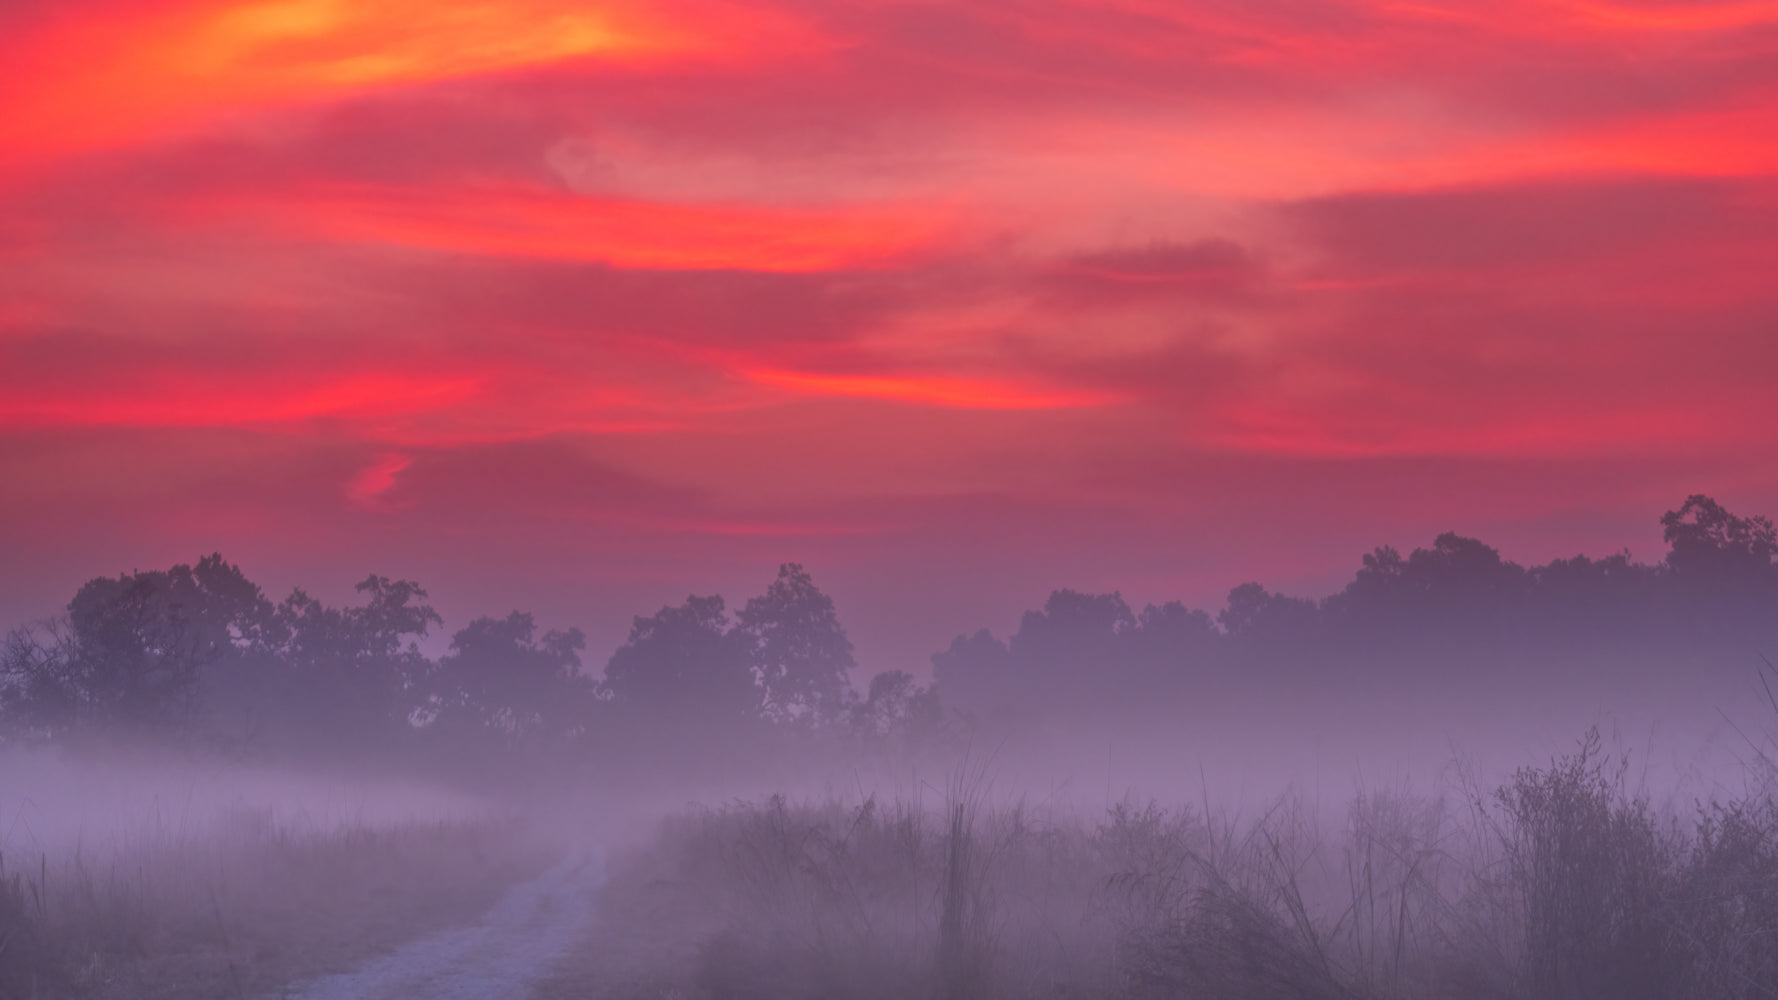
686, 657
976, 671
1457, 604
896, 704
502, 680
1074, 634
358, 669
1255, 613
1709, 545
1166, 632
135, 644
1457, 574
386, 626
799, 652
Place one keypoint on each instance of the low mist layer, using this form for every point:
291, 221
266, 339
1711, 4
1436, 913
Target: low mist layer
1374, 794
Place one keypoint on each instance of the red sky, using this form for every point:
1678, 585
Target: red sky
578, 308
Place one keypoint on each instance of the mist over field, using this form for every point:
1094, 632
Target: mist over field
1456, 776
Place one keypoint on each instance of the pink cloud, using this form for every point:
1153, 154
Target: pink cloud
377, 478
1043, 286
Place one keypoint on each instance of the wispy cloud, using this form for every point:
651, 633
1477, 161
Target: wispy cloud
735, 271
370, 485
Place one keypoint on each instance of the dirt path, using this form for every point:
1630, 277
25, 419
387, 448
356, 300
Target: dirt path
497, 959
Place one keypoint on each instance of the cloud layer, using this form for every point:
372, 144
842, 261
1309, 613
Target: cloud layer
1022, 294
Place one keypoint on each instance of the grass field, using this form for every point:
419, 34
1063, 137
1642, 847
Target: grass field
132, 886
1562, 882
1559, 884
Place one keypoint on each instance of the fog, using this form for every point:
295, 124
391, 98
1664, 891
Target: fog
52, 804
1414, 786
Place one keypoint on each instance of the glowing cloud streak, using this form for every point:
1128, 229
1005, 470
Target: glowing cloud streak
368, 486
962, 393
552, 225
185, 401
125, 74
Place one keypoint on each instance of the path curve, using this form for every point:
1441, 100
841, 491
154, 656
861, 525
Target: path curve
512, 947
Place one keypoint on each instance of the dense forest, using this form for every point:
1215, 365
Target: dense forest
199, 653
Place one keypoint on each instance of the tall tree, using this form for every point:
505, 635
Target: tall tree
798, 649
40, 684
1258, 615
896, 706
686, 662
1710, 546
1072, 638
976, 675
1457, 575
502, 680
134, 646
356, 673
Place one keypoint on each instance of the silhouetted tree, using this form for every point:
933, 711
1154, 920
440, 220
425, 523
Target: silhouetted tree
897, 706
40, 689
356, 672
1173, 625
799, 652
1068, 648
687, 662
501, 680
1254, 613
975, 675
1584, 596
1381, 580
1169, 641
150, 650
1458, 577
1712, 547
133, 648
1464, 573
1455, 606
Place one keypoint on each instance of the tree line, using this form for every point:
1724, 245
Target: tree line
1456, 607
200, 651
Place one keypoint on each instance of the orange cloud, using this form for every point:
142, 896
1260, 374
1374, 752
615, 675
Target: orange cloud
1334, 431
100, 77
192, 401
963, 393
554, 225
1674, 17
1579, 18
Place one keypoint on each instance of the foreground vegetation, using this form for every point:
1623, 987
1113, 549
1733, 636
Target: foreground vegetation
1561, 883
243, 909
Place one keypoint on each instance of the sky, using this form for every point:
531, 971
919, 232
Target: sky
579, 307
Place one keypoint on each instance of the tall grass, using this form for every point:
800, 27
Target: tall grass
1560, 884
242, 908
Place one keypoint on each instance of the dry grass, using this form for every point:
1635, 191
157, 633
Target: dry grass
1559, 885
245, 908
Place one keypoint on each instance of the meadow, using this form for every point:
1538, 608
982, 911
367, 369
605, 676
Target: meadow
205, 794
1564, 882
179, 877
